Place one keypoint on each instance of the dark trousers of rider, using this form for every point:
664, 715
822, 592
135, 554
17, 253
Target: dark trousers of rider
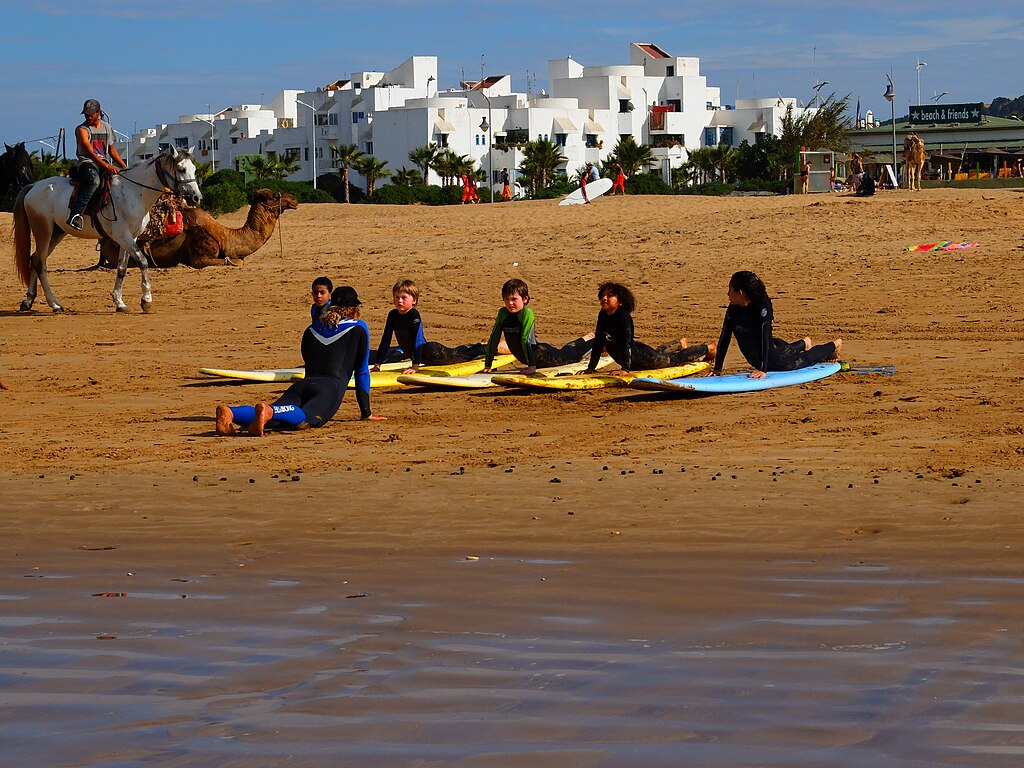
88, 182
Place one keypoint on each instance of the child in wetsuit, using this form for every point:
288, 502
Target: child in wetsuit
405, 324
614, 335
749, 318
321, 289
334, 347
516, 322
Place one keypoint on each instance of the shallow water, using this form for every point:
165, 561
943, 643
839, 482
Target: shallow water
517, 666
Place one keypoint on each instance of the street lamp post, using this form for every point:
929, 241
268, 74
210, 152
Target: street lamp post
312, 135
213, 138
890, 96
488, 123
920, 65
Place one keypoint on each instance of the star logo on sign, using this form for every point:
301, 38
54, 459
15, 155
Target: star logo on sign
975, 113
915, 116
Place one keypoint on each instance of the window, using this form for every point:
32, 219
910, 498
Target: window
590, 139
319, 153
443, 140
216, 144
164, 145
369, 147
295, 152
560, 139
625, 105
726, 137
357, 116
670, 71
320, 119
181, 143
710, 137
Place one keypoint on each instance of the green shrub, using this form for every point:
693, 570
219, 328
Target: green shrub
302, 190
226, 176
392, 194
779, 186
331, 183
712, 188
223, 198
647, 184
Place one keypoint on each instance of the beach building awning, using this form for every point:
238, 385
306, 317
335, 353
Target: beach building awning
624, 92
443, 126
592, 127
564, 125
758, 126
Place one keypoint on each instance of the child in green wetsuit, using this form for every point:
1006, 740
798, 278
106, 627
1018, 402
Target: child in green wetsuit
517, 323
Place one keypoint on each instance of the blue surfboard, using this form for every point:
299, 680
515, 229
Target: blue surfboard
736, 382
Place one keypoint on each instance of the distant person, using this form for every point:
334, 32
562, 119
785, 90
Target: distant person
321, 290
506, 186
865, 185
334, 348
584, 178
614, 335
594, 173
856, 169
405, 325
619, 185
749, 318
469, 189
805, 177
517, 324
94, 141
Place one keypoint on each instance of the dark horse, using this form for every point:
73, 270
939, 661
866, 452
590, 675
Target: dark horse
15, 172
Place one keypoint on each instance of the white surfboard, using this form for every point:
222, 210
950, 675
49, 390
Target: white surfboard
594, 189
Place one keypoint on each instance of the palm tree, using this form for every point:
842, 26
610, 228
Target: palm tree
345, 155
263, 168
371, 169
703, 163
724, 158
423, 158
541, 159
288, 165
406, 176
203, 172
631, 156
823, 128
450, 166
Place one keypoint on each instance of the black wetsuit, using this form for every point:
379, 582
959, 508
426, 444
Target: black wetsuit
614, 335
520, 332
408, 330
332, 353
752, 326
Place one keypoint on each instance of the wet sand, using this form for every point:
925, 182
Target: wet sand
822, 575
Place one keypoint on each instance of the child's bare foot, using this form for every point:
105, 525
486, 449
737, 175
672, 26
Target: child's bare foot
683, 342
503, 348
839, 348
712, 351
225, 419
587, 337
807, 343
264, 413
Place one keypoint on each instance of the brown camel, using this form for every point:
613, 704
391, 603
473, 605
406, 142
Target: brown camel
913, 160
205, 242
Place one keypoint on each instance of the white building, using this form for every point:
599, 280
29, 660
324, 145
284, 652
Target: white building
659, 100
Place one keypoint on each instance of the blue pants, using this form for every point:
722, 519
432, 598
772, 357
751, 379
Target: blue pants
89, 180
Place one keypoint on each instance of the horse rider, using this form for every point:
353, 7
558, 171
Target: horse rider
95, 150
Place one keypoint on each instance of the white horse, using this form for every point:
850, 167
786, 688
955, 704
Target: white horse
41, 210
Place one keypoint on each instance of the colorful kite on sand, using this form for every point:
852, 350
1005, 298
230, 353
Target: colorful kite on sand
948, 245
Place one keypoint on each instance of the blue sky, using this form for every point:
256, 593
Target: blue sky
149, 62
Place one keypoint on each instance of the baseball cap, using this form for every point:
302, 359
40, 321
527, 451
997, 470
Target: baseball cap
345, 296
91, 107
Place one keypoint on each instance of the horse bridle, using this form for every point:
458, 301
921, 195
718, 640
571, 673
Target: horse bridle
173, 188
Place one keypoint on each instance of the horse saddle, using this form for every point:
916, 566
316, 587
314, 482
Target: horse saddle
99, 199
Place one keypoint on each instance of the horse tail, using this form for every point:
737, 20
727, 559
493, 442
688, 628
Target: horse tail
22, 237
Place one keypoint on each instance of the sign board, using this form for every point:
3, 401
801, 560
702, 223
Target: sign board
946, 113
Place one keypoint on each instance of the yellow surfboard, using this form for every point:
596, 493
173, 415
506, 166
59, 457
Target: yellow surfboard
597, 380
480, 380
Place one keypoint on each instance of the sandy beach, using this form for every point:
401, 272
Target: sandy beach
827, 574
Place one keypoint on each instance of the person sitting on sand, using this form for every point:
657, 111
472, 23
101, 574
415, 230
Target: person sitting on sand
334, 346
321, 290
614, 334
517, 324
749, 317
405, 324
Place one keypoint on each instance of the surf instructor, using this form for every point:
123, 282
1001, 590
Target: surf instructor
94, 140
